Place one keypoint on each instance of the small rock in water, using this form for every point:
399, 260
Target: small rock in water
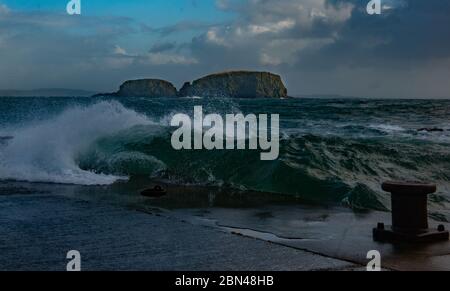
154, 192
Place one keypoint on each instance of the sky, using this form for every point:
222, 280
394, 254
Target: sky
319, 47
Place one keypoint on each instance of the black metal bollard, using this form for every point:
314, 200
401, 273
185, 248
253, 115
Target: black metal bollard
409, 215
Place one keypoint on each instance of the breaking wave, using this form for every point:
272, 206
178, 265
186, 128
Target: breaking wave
47, 151
103, 142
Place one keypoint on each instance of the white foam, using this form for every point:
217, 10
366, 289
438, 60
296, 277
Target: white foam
46, 151
388, 128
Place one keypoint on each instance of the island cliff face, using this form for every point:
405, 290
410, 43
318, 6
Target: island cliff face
153, 88
239, 84
147, 88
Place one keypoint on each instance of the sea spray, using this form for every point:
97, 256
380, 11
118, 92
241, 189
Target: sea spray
46, 151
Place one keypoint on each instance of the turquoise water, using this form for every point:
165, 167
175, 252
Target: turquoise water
331, 151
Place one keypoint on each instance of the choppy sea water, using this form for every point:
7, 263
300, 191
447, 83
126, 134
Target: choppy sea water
332, 151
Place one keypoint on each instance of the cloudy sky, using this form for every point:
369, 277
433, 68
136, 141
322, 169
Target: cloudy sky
318, 46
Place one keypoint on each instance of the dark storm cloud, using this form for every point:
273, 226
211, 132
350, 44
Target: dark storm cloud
412, 32
334, 46
336, 32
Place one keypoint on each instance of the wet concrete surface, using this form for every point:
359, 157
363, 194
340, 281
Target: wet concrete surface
37, 231
194, 229
338, 234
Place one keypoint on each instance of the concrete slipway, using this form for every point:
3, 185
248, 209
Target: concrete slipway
39, 227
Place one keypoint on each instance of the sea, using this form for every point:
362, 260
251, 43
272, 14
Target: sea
332, 151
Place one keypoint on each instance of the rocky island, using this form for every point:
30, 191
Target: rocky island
145, 88
236, 84
239, 84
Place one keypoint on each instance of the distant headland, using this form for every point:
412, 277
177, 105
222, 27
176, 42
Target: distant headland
234, 84
48, 92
